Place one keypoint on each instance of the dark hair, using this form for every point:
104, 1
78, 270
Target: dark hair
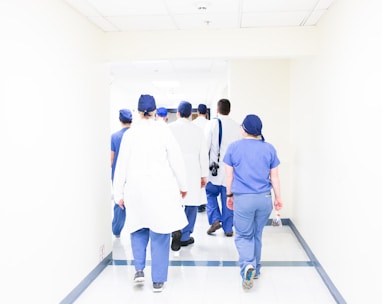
224, 106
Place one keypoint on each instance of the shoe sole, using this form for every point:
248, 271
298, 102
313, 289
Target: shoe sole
176, 244
249, 278
186, 243
139, 280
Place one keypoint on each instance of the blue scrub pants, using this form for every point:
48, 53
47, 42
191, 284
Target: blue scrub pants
160, 252
118, 220
251, 213
225, 216
191, 212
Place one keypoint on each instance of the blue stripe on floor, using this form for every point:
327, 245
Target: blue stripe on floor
220, 263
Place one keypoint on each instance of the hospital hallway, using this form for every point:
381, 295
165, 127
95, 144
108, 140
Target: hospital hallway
207, 272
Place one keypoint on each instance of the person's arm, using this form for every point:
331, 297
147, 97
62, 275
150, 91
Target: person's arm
275, 180
229, 179
112, 158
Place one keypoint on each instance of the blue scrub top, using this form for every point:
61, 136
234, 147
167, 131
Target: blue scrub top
115, 143
252, 161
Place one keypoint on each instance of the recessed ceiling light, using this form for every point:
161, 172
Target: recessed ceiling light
202, 6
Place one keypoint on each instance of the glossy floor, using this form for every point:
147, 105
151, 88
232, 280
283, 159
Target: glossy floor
207, 272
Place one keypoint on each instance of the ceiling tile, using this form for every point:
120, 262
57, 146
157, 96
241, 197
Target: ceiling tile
128, 7
278, 5
125, 23
212, 6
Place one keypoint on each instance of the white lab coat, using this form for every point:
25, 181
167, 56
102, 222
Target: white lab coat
149, 175
205, 124
194, 149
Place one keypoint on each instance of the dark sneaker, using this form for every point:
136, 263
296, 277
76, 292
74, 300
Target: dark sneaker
201, 208
249, 276
175, 243
139, 276
188, 242
215, 226
229, 234
158, 286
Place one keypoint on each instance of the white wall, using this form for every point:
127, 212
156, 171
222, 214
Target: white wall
242, 43
335, 125
261, 87
55, 194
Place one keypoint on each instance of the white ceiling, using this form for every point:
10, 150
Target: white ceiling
193, 80
127, 15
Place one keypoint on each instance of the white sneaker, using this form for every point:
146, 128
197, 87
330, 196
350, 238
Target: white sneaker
249, 276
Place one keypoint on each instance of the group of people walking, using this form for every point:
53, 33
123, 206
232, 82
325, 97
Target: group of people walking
164, 173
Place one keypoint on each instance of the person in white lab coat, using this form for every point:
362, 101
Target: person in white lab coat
194, 148
150, 181
219, 216
203, 122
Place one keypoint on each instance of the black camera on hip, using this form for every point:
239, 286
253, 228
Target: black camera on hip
214, 169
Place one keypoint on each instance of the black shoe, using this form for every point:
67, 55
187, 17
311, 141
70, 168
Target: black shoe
229, 234
201, 208
215, 226
175, 244
186, 243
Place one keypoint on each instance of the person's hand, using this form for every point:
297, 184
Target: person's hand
121, 203
230, 203
203, 182
278, 204
183, 193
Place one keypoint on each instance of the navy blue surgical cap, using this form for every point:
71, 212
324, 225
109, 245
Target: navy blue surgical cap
185, 109
125, 116
253, 125
202, 108
146, 104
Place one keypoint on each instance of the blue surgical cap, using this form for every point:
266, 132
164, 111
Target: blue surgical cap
146, 104
125, 116
162, 112
202, 108
185, 109
253, 125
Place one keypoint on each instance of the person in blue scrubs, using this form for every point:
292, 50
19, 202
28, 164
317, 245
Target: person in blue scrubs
119, 214
251, 167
